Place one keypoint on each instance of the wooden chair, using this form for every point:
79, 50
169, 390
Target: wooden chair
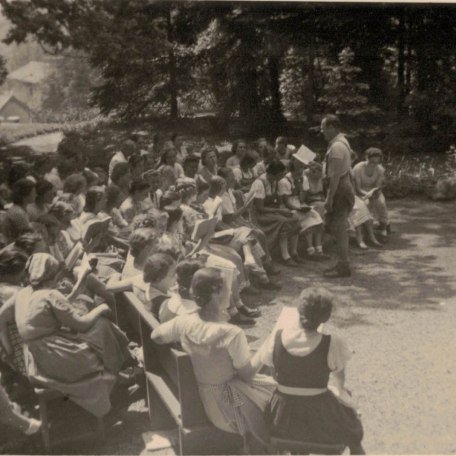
288, 446
46, 395
172, 391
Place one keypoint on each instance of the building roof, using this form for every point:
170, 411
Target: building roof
5, 98
32, 73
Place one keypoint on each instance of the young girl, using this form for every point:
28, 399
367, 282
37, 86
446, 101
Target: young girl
303, 408
290, 190
245, 174
238, 152
181, 302
138, 202
44, 195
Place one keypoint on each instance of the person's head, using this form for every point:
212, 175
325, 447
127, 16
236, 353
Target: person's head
315, 307
217, 186
102, 175
42, 165
95, 200
30, 242
185, 271
247, 162
374, 155
239, 148
75, 184
62, 211
143, 241
177, 140
154, 218
209, 157
23, 192
170, 200
128, 148
281, 144
186, 188
42, 270
12, 264
228, 175
191, 166
91, 177
160, 268
330, 126
45, 192
139, 189
268, 154
114, 197
276, 170
169, 155
315, 170
153, 178
296, 167
121, 175
18, 170
207, 289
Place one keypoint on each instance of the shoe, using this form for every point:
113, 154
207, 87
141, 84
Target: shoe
362, 246
240, 319
340, 270
251, 290
271, 270
298, 259
317, 256
289, 262
375, 243
271, 286
34, 427
249, 312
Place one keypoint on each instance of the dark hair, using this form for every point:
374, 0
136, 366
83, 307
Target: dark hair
235, 145
48, 220
157, 267
140, 238
12, 261
168, 198
42, 187
224, 172
138, 185
135, 159
94, 195
21, 189
17, 171
174, 136
315, 307
216, 185
247, 161
164, 156
185, 271
373, 152
174, 215
281, 139
112, 193
205, 152
331, 120
205, 283
276, 167
190, 159
73, 183
27, 241
119, 171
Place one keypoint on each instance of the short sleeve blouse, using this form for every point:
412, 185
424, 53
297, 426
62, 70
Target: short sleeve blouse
285, 187
260, 188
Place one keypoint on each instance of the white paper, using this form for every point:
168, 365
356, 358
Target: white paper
305, 155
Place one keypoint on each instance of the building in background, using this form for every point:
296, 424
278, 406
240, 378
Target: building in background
14, 110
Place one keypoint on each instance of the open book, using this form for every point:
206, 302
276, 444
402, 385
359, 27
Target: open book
95, 227
304, 155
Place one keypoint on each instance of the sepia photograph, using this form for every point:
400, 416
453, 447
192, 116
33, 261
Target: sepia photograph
226, 227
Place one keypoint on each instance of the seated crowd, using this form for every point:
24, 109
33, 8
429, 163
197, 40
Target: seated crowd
71, 237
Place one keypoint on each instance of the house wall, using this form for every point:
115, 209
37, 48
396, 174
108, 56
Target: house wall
14, 109
30, 94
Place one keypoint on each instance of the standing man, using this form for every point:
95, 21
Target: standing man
340, 193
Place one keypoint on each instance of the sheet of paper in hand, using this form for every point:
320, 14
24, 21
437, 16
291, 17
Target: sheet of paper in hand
204, 229
304, 155
95, 227
370, 193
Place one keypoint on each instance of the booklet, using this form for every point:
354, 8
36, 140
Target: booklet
304, 155
95, 227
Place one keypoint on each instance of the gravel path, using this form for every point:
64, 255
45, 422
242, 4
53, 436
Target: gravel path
398, 313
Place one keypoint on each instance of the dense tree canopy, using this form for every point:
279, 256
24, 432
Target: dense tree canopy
255, 61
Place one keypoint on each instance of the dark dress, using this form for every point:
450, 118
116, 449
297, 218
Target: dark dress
320, 418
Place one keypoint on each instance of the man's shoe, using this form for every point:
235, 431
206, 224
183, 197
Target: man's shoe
289, 262
271, 270
249, 312
298, 259
340, 270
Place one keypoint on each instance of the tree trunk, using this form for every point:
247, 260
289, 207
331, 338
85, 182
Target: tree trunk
401, 63
172, 71
274, 74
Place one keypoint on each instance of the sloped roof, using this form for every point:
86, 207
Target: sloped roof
9, 96
32, 73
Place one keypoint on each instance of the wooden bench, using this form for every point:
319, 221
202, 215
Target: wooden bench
172, 391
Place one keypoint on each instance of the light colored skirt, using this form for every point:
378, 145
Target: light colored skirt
360, 214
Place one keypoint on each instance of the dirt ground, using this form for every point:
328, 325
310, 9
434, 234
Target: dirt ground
398, 313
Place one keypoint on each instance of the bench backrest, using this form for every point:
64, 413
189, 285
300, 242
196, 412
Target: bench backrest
171, 363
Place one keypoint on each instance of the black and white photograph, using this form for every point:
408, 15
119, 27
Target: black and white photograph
227, 227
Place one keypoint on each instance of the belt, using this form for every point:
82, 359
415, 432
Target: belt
292, 391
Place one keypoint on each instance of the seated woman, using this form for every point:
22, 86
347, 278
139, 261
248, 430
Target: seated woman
360, 220
121, 178
181, 302
238, 151
78, 355
369, 177
313, 188
75, 185
245, 174
138, 202
290, 190
303, 408
208, 170
114, 199
233, 395
280, 226
169, 158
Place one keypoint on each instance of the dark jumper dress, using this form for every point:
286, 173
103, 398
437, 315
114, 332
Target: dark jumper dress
320, 418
